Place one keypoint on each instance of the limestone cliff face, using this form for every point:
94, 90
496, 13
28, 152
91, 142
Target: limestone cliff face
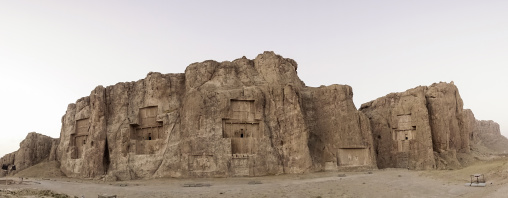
425, 128
7, 161
8, 158
401, 130
446, 118
487, 134
253, 118
469, 126
337, 129
33, 149
239, 118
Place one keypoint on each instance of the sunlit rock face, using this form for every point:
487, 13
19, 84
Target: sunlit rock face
401, 130
425, 128
33, 149
254, 118
239, 118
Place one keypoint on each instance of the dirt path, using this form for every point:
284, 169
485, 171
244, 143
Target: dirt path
380, 183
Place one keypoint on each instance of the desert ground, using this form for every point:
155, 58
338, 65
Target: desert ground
373, 183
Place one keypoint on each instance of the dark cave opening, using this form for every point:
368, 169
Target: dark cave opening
106, 160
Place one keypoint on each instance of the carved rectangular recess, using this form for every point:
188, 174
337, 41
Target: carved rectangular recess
242, 127
403, 146
148, 133
202, 163
82, 126
147, 129
148, 117
405, 132
353, 157
242, 109
80, 142
241, 166
80, 137
404, 122
233, 129
243, 136
403, 135
243, 146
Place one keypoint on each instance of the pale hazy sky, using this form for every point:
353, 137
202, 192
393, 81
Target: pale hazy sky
55, 52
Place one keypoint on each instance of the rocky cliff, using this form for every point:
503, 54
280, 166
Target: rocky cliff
401, 130
253, 118
426, 128
337, 129
239, 118
487, 134
7, 161
33, 149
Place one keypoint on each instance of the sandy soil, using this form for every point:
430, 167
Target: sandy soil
377, 183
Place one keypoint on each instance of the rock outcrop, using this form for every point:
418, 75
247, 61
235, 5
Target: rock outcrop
254, 118
33, 149
7, 161
239, 118
425, 128
401, 130
487, 134
337, 129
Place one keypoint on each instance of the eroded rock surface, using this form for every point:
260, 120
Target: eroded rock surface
253, 118
337, 129
239, 118
401, 130
488, 135
33, 149
7, 161
426, 128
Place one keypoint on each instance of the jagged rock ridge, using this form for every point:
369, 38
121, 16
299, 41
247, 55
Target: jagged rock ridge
253, 118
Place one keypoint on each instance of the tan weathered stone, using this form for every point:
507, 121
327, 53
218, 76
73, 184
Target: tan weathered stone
253, 118
33, 149
6, 162
340, 135
401, 130
239, 118
425, 125
488, 134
